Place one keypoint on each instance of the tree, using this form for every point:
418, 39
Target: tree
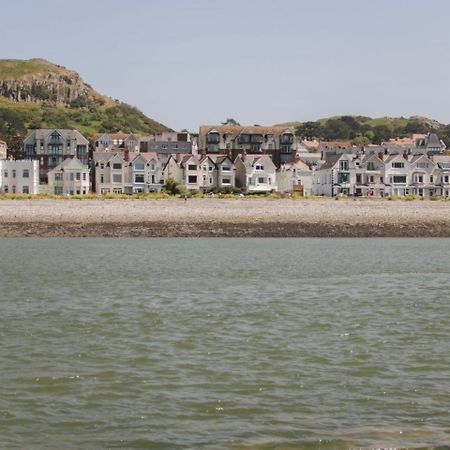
336, 129
230, 121
172, 187
309, 130
381, 133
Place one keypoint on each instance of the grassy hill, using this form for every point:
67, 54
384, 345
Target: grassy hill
365, 130
38, 94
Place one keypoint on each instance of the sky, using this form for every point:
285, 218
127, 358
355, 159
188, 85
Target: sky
186, 63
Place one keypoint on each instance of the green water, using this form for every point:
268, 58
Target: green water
224, 343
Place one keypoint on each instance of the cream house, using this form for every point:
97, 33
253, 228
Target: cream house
71, 177
294, 176
255, 173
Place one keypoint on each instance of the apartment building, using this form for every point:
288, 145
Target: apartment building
51, 146
278, 142
3, 149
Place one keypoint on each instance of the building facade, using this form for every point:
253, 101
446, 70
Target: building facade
71, 177
255, 173
51, 146
19, 176
278, 142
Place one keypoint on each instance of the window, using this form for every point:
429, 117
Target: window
192, 167
6, 174
399, 178
117, 191
5, 189
78, 176
259, 167
226, 181
371, 179
139, 178
343, 165
71, 176
25, 190
192, 179
14, 189
26, 173
261, 180
398, 165
139, 166
419, 178
84, 176
117, 166
422, 165
102, 165
431, 179
58, 176
358, 178
117, 178
370, 165
225, 169
14, 173
102, 178
58, 190
445, 179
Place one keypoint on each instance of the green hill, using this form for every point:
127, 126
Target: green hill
38, 94
363, 130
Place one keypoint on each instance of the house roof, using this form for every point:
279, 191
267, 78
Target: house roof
108, 156
299, 165
68, 134
118, 136
236, 130
330, 162
67, 163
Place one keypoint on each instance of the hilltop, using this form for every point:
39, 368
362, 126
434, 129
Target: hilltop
36, 93
362, 130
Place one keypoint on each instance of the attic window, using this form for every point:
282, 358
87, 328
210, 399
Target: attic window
259, 167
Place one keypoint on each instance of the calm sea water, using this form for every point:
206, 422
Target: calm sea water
224, 343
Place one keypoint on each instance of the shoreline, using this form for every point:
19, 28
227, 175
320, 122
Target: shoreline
223, 218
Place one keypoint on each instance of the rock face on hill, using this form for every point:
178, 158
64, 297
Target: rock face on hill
36, 93
38, 80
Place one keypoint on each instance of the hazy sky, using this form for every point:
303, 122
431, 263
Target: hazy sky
192, 62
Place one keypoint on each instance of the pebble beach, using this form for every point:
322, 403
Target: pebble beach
208, 217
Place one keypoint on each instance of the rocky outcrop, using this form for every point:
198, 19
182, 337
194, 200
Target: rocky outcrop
51, 88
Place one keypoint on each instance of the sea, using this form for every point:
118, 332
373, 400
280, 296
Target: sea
224, 343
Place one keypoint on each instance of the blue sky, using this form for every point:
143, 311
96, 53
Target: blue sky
192, 62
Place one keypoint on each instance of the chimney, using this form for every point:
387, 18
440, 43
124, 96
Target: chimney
126, 156
381, 156
405, 155
203, 153
178, 157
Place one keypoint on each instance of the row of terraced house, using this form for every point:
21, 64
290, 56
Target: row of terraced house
251, 159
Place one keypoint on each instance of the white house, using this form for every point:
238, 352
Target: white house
144, 174
19, 177
294, 176
255, 173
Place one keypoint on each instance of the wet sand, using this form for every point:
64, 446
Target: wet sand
211, 217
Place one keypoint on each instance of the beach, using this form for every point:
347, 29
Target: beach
209, 217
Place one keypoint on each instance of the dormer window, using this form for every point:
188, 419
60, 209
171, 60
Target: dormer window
286, 138
213, 138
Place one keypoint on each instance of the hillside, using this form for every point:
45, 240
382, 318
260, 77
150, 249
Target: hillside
38, 94
366, 130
